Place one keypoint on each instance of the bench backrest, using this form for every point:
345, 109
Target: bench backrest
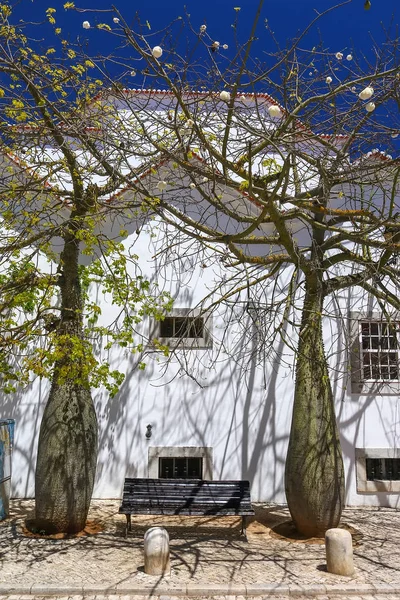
180, 495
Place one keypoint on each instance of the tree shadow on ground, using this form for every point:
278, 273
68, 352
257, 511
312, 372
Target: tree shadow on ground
203, 550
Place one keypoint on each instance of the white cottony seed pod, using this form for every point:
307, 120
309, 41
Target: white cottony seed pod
116, 20
349, 57
157, 52
275, 111
370, 107
86, 25
328, 80
225, 96
161, 185
133, 73
203, 28
225, 46
192, 186
366, 94
339, 55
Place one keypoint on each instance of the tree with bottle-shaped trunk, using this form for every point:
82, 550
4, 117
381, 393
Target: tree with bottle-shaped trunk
256, 159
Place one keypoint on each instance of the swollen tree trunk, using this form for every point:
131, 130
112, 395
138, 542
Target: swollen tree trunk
66, 462
314, 475
67, 451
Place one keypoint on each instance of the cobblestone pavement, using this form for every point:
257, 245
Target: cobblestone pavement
335, 596
208, 558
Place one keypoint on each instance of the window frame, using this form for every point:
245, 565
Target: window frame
203, 342
364, 485
157, 452
359, 385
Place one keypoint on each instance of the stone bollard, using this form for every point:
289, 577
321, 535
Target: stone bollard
156, 551
339, 552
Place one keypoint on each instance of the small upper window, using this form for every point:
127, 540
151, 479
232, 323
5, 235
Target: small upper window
182, 327
375, 355
186, 328
380, 350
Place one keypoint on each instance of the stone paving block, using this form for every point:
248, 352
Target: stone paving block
74, 592
161, 589
351, 588
386, 588
216, 589
307, 590
104, 590
171, 590
102, 597
129, 588
7, 589
267, 589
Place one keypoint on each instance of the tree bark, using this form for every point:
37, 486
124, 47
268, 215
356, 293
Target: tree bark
314, 474
66, 462
67, 451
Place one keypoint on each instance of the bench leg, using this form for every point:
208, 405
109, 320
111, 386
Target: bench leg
243, 532
128, 525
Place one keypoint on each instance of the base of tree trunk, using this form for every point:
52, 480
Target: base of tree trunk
67, 457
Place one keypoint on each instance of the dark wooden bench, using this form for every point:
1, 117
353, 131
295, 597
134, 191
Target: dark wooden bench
196, 497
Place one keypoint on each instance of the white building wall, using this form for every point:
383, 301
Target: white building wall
240, 408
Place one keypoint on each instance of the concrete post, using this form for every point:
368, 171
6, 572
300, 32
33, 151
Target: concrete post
339, 552
156, 551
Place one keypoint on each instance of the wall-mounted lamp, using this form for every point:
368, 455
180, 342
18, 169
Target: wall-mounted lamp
149, 432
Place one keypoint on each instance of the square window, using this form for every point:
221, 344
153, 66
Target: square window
186, 328
378, 470
375, 354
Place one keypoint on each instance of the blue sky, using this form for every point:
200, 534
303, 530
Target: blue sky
347, 28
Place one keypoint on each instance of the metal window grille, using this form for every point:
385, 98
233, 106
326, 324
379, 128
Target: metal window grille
182, 327
180, 468
384, 469
379, 342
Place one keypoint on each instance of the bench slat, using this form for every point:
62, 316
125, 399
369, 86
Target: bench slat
194, 496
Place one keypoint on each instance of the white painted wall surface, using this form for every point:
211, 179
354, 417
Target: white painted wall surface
242, 408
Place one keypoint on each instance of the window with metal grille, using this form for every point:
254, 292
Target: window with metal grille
379, 350
383, 469
189, 328
180, 468
182, 327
